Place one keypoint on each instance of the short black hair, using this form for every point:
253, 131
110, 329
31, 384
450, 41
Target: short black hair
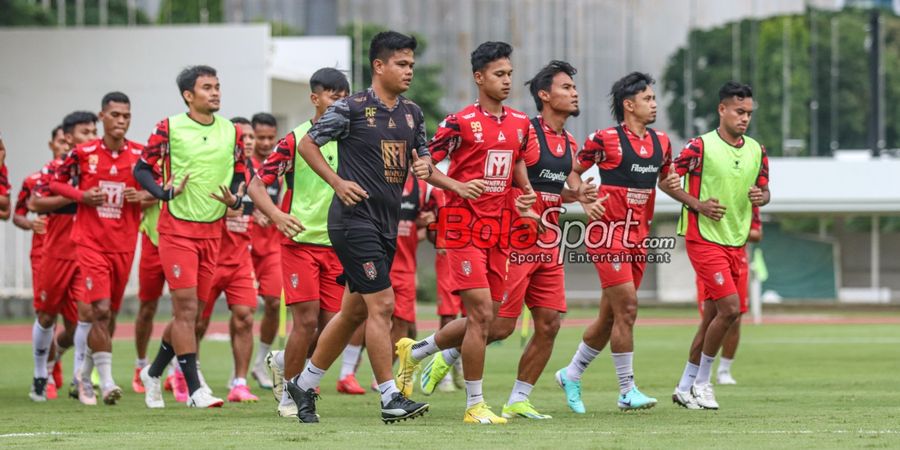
385, 43
734, 89
626, 88
238, 120
544, 79
77, 118
328, 79
489, 52
188, 77
56, 129
263, 118
114, 96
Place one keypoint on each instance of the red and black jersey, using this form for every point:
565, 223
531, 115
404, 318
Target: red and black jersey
28, 186
412, 202
58, 241
4, 181
266, 240
237, 235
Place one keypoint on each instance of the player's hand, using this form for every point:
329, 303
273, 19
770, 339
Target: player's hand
178, 190
425, 218
349, 192
261, 218
39, 225
421, 168
595, 209
526, 200
133, 195
712, 209
227, 197
471, 190
587, 191
287, 224
756, 196
93, 197
672, 181
233, 212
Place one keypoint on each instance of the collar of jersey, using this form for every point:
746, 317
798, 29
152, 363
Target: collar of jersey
374, 96
491, 116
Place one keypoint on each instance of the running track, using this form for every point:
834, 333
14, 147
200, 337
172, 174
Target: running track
21, 333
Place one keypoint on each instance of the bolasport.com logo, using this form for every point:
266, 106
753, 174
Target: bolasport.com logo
543, 239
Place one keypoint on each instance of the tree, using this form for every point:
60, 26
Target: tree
191, 11
18, 13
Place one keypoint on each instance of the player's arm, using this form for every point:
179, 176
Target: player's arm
277, 164
591, 153
445, 141
688, 160
233, 196
60, 184
578, 190
759, 194
43, 200
156, 149
4, 207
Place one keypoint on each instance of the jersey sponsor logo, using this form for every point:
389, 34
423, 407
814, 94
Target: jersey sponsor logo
239, 224
643, 151
295, 280
394, 155
649, 168
477, 130
553, 176
498, 164
637, 197
93, 160
115, 199
467, 268
550, 198
113, 170
407, 205
370, 116
369, 269
468, 116
410, 122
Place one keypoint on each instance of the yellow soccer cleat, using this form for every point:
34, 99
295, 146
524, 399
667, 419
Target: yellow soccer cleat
481, 413
406, 368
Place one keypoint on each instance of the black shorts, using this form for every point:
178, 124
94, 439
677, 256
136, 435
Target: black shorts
366, 256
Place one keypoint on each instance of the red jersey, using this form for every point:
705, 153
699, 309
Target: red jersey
111, 227
157, 150
266, 240
4, 181
28, 186
690, 160
413, 201
756, 222
58, 241
481, 146
628, 173
235, 246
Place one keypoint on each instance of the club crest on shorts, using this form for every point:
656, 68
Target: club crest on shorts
371, 272
89, 283
43, 296
467, 267
617, 266
176, 270
295, 280
720, 280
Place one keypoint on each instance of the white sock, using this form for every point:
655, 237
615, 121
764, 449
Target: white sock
286, 399
87, 366
624, 370
474, 394
239, 382
424, 348
174, 367
310, 377
81, 335
140, 363
451, 355
387, 389
703, 372
520, 392
688, 376
279, 359
349, 360
103, 362
261, 354
41, 338
580, 361
725, 364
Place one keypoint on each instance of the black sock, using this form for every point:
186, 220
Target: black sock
188, 363
163, 357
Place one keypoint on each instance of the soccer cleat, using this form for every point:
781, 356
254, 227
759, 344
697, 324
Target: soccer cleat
407, 366
180, 389
277, 374
523, 409
170, 381
203, 399
136, 384
481, 413
242, 394
287, 410
635, 399
349, 385
52, 394
724, 377
446, 384
433, 373
684, 399
38, 390
704, 396
152, 389
572, 390
402, 408
112, 395
57, 373
95, 378
305, 401
262, 376
86, 393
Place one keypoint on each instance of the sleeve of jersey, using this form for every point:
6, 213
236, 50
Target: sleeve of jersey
592, 151
691, 158
240, 162
279, 161
334, 124
156, 144
4, 181
446, 139
756, 222
421, 139
64, 173
22, 199
667, 160
763, 178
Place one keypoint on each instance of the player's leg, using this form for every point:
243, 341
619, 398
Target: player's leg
350, 358
151, 280
41, 339
532, 362
729, 349
683, 395
268, 328
242, 348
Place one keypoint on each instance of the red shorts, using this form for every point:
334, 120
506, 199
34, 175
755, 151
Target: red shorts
718, 268
619, 266
448, 303
237, 282
268, 274
477, 268
36, 278
309, 273
404, 285
105, 275
189, 262
151, 278
61, 287
536, 278
743, 285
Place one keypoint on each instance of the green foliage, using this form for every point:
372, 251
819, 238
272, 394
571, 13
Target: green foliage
425, 90
18, 13
189, 11
760, 64
23, 13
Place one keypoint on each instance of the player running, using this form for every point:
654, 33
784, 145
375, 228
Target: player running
206, 148
4, 183
727, 174
631, 158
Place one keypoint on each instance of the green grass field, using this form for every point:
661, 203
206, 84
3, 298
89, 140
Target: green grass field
800, 386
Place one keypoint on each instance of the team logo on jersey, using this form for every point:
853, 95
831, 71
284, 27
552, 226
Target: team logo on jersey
617, 266
643, 151
521, 135
410, 122
89, 283
394, 155
176, 270
93, 160
391, 123
113, 170
559, 149
720, 280
467, 268
501, 137
371, 272
370, 116
498, 164
477, 131
295, 280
